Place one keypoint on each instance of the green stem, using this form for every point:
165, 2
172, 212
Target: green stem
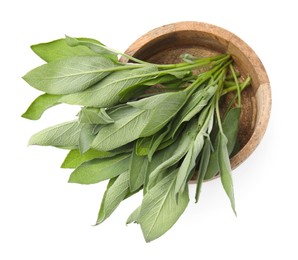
228, 77
237, 84
243, 86
234, 87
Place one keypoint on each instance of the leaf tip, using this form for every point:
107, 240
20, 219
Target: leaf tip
72, 42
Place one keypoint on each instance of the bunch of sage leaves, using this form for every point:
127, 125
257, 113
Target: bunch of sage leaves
141, 126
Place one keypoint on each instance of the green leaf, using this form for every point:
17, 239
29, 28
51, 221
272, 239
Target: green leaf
41, 104
94, 45
162, 107
195, 104
130, 92
121, 111
74, 158
160, 210
186, 57
69, 75
98, 170
190, 159
203, 167
115, 193
186, 140
148, 145
225, 169
134, 216
137, 170
106, 92
144, 121
230, 128
189, 162
86, 137
59, 49
91, 115
62, 135
121, 132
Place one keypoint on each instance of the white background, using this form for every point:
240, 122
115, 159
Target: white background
44, 217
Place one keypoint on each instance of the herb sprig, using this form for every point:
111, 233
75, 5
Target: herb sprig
134, 134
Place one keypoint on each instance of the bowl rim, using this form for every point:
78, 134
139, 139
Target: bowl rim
231, 41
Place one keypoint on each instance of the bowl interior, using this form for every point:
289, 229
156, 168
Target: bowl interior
165, 44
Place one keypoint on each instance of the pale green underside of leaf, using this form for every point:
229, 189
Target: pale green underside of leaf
137, 170
230, 128
189, 162
41, 104
162, 108
203, 167
94, 45
151, 115
225, 170
134, 216
59, 49
74, 158
90, 115
115, 193
62, 135
181, 148
69, 75
98, 170
160, 210
86, 137
195, 104
121, 132
106, 92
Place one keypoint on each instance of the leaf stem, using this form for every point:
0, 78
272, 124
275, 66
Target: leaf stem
237, 84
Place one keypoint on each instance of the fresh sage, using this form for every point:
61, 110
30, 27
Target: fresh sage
140, 126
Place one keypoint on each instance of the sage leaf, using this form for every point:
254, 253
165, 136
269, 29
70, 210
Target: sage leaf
134, 216
183, 145
145, 116
98, 170
91, 115
148, 145
225, 169
194, 105
41, 104
121, 132
64, 135
121, 111
59, 49
203, 167
137, 170
115, 193
160, 210
106, 92
230, 128
130, 92
94, 45
162, 107
188, 58
86, 137
69, 75
75, 158
189, 162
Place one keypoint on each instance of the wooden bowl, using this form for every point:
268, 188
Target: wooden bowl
165, 44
